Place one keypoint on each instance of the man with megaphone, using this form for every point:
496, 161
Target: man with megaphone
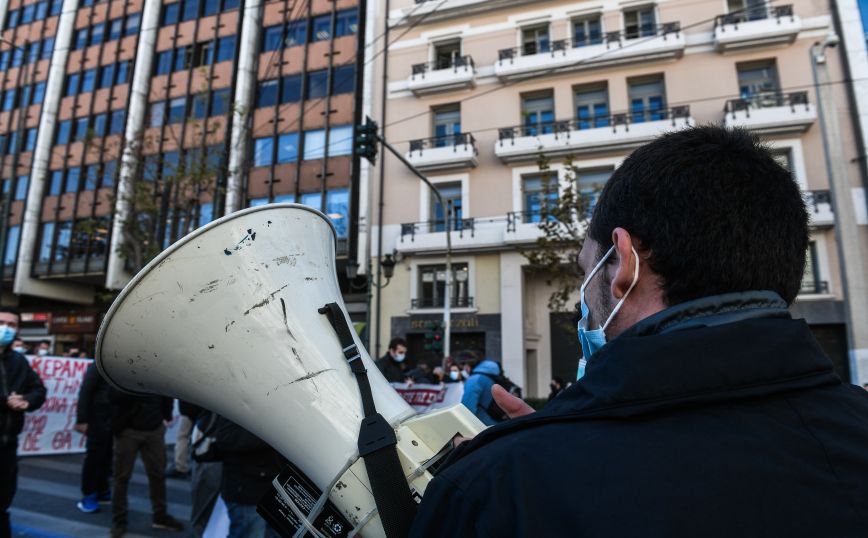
702, 408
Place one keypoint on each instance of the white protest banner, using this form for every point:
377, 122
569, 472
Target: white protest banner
49, 430
427, 397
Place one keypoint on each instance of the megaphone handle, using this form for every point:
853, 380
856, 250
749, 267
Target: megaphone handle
377, 441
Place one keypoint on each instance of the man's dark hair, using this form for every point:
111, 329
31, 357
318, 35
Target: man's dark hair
10, 310
395, 342
716, 212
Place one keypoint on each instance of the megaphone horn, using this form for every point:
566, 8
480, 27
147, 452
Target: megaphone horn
228, 318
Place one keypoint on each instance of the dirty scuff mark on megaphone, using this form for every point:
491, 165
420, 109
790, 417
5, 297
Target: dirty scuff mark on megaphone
266, 300
250, 236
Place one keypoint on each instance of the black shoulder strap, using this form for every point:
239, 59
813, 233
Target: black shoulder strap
376, 441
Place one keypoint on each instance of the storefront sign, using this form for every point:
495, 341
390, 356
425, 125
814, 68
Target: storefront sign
74, 323
457, 322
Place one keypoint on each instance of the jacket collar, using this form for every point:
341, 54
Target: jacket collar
713, 350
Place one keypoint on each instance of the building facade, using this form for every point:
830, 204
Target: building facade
479, 91
126, 124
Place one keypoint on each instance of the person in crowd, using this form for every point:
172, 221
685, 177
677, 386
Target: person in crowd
556, 386
44, 348
394, 365
454, 374
21, 392
477, 389
207, 474
18, 346
438, 374
421, 374
181, 466
139, 425
249, 466
93, 419
71, 352
704, 408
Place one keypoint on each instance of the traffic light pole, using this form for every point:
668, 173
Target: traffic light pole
447, 300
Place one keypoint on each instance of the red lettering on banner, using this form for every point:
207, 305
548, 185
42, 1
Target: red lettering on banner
62, 441
31, 442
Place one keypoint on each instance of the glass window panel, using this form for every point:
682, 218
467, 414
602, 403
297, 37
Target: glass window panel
21, 187
647, 99
17, 57
204, 54
177, 109
109, 172
45, 242
344, 79
341, 140
164, 63
287, 148
211, 7
80, 38
41, 10
56, 182
107, 76
72, 82
116, 27
91, 177
97, 33
123, 72
38, 93
183, 57
116, 126
27, 13
199, 110
64, 235
190, 10
589, 183
451, 194
47, 48
12, 21
255, 202
271, 38
80, 128
314, 144
30, 141
9, 99
337, 209
346, 23
296, 33
4, 60
267, 94
100, 123
73, 177
220, 102
312, 199
88, 81
64, 129
317, 84
263, 150
321, 28
290, 91
206, 214
226, 48
12, 238
56, 7
538, 113
33, 51
284, 198
158, 113
171, 13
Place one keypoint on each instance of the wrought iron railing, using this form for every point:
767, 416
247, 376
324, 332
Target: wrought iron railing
455, 141
431, 302
624, 119
814, 286
560, 46
461, 226
813, 199
459, 63
767, 100
755, 13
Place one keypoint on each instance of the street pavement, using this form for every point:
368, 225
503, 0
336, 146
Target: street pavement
49, 488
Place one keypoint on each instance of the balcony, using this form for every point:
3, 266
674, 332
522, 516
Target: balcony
771, 113
522, 227
468, 234
819, 205
596, 134
442, 76
430, 302
814, 287
756, 27
438, 153
613, 48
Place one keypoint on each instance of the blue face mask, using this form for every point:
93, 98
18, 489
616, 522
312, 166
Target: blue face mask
7, 334
593, 339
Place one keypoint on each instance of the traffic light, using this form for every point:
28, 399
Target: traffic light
434, 337
365, 140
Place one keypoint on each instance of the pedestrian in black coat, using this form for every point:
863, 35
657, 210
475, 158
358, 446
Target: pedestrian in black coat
93, 419
394, 364
704, 409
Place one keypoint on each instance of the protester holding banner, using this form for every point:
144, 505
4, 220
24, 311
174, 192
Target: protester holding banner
22, 391
93, 419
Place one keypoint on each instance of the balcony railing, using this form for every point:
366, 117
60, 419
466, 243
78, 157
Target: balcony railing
771, 112
455, 141
819, 204
659, 42
445, 74
756, 13
446, 152
814, 287
455, 64
462, 226
757, 26
431, 302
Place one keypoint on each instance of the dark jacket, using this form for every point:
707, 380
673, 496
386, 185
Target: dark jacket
189, 410
17, 376
394, 372
694, 422
249, 463
94, 400
143, 413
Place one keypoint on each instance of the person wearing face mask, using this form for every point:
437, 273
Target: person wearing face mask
702, 408
18, 346
556, 386
44, 348
21, 392
394, 364
454, 375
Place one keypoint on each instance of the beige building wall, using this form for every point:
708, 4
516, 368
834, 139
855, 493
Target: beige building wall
699, 75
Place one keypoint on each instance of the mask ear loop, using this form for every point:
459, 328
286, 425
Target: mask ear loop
624, 298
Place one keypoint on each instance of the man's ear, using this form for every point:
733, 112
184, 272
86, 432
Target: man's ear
623, 277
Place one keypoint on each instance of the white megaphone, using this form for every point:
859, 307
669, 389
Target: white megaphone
229, 318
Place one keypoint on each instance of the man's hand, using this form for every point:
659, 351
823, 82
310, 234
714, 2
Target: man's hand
513, 406
16, 402
81, 428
